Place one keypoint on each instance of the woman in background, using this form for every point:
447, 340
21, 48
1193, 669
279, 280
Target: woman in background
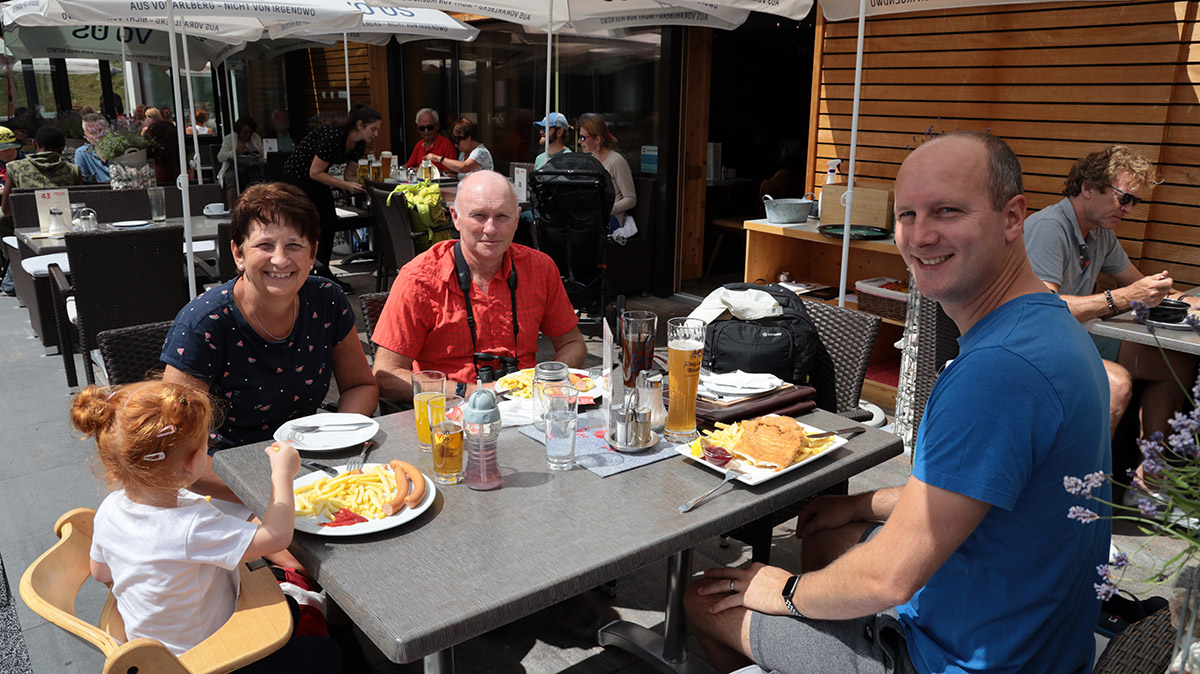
595, 139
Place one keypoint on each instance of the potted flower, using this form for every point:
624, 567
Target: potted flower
1167, 504
124, 147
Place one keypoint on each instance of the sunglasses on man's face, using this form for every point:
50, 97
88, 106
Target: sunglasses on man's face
426, 127
1124, 198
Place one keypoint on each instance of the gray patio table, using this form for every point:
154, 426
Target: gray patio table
477, 560
1125, 327
203, 229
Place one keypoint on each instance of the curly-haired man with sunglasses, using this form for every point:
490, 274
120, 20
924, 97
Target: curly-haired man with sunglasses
432, 141
1071, 242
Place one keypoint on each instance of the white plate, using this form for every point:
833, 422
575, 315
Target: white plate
309, 524
325, 441
736, 390
121, 224
219, 214
754, 474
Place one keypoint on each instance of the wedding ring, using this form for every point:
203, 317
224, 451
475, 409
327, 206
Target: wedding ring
731, 586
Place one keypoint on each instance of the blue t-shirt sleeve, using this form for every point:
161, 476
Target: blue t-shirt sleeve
988, 421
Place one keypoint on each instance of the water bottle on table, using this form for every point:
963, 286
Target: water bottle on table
481, 422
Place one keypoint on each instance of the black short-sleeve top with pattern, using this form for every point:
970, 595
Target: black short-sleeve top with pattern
262, 383
326, 142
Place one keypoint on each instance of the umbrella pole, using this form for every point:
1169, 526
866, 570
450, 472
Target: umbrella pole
237, 180
848, 199
346, 64
549, 50
130, 104
181, 181
192, 103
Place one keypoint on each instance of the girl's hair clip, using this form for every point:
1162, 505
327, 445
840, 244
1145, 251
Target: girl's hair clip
157, 456
111, 393
169, 429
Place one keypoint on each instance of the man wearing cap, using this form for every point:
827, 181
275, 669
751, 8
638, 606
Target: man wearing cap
432, 142
556, 125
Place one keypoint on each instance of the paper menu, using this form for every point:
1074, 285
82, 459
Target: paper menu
52, 198
520, 184
270, 145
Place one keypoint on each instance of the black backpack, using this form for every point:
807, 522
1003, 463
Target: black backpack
787, 345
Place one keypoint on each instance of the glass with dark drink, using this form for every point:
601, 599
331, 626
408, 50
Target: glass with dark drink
637, 344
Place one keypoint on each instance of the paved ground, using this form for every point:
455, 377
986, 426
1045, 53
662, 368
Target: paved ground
47, 472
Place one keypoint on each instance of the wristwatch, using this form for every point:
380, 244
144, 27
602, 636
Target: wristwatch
789, 589
460, 389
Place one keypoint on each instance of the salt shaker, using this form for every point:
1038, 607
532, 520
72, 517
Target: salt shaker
57, 226
649, 384
481, 427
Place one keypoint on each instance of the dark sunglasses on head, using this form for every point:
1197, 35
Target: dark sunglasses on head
426, 127
1084, 262
1124, 198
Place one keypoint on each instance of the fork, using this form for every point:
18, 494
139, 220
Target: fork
731, 474
357, 462
330, 427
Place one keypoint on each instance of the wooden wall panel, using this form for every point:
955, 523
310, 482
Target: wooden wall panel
326, 82
1055, 80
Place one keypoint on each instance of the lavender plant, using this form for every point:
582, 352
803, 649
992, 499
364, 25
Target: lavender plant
1172, 465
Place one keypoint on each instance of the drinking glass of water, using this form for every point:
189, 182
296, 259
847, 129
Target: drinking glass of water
562, 413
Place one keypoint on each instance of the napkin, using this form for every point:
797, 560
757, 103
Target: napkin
791, 401
592, 450
515, 412
749, 381
746, 305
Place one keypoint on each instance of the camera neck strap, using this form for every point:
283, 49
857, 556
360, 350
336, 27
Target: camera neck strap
464, 283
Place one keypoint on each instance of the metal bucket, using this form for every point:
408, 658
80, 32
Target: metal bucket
786, 211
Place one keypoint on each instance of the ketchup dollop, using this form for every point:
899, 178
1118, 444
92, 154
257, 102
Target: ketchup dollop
716, 455
344, 517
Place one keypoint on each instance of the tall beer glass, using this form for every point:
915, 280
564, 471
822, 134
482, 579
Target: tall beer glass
685, 346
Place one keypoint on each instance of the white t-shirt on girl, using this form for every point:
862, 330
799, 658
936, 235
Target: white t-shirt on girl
174, 569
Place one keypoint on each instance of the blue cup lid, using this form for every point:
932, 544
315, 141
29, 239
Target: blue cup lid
481, 408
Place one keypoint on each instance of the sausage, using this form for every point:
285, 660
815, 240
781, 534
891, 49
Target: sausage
397, 501
418, 483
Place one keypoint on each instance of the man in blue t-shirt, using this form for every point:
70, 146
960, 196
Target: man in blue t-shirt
972, 565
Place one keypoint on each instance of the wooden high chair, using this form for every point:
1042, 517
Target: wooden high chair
260, 624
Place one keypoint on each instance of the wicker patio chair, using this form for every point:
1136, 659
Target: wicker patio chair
849, 338
393, 232
131, 354
1143, 648
372, 307
121, 278
260, 625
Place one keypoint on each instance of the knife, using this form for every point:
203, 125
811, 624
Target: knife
850, 433
313, 465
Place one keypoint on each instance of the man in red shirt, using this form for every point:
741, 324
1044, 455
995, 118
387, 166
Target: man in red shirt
432, 141
425, 326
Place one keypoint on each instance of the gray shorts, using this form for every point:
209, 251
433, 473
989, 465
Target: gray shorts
871, 645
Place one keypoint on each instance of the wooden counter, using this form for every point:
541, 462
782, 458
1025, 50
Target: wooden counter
811, 256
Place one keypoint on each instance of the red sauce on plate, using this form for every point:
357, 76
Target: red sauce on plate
344, 517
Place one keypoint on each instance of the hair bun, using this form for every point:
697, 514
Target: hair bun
93, 409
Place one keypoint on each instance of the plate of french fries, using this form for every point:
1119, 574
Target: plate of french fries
728, 436
520, 385
320, 496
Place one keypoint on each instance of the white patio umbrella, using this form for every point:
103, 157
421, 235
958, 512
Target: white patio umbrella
277, 17
51, 13
109, 43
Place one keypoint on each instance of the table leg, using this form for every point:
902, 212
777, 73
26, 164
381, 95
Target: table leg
667, 653
441, 662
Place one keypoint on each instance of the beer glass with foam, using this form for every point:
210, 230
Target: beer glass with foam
685, 347
427, 385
